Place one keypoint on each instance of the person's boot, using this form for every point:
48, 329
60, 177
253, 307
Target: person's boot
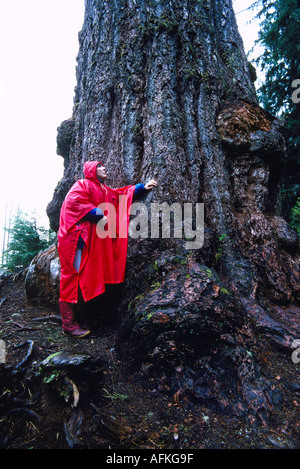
69, 326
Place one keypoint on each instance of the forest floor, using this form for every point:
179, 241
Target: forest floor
118, 409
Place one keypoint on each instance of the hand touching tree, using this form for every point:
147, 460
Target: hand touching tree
152, 183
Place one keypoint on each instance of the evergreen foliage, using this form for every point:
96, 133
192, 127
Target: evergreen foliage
280, 93
26, 240
295, 216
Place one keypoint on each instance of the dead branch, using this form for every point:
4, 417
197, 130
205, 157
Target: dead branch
54, 317
2, 301
27, 356
24, 328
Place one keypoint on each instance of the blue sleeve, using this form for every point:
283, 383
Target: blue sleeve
94, 215
139, 190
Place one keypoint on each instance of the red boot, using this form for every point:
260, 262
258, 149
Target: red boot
70, 326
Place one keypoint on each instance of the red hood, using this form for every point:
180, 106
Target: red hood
89, 170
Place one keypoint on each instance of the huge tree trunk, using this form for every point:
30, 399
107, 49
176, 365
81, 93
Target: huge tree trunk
164, 91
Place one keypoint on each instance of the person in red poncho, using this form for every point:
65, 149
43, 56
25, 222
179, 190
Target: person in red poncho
92, 246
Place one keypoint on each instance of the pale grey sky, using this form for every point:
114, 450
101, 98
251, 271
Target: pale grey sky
39, 45
247, 23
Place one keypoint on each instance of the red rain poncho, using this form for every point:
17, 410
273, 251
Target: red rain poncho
103, 258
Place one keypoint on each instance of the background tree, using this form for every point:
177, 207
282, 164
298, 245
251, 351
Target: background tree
26, 239
280, 37
164, 90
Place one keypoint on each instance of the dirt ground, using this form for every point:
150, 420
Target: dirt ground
115, 407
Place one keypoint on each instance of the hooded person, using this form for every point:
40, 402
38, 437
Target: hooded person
92, 239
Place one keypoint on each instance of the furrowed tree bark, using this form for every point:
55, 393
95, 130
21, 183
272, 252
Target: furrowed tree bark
151, 78
165, 91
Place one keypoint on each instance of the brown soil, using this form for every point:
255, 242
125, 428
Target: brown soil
119, 409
